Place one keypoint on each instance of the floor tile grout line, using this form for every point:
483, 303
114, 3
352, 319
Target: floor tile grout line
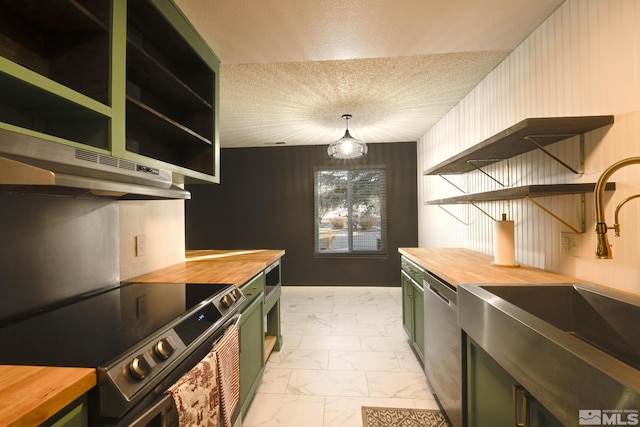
363, 346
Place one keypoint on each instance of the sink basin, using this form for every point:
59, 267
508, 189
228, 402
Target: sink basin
608, 323
573, 346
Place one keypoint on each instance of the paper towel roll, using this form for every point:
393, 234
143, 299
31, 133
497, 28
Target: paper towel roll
504, 247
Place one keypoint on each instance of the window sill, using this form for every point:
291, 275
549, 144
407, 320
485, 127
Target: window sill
353, 255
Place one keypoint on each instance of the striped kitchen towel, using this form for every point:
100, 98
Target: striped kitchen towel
227, 351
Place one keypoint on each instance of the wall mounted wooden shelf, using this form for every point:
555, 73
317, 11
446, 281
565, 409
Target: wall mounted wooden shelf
520, 193
517, 140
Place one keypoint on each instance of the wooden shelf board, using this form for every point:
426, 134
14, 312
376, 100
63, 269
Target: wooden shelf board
165, 124
521, 192
511, 142
269, 344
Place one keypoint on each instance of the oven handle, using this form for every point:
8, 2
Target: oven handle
233, 320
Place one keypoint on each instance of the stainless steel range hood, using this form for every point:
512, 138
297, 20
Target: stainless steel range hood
32, 165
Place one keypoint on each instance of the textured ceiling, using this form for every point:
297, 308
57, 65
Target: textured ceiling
291, 68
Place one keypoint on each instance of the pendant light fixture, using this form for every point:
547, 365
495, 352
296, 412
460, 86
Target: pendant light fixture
347, 147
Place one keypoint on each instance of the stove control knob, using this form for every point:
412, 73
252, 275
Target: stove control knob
227, 300
163, 349
139, 367
236, 294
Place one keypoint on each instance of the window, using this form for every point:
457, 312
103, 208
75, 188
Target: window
350, 210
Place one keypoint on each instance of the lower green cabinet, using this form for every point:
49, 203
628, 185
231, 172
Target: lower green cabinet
251, 340
407, 305
273, 333
495, 399
413, 312
418, 321
74, 415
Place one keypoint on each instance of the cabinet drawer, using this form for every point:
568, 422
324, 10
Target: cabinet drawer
254, 288
414, 271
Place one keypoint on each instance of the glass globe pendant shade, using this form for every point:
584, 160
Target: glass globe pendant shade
347, 147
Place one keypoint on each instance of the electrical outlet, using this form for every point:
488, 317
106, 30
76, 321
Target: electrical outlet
141, 245
570, 244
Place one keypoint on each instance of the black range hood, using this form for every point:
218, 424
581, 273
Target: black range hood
32, 165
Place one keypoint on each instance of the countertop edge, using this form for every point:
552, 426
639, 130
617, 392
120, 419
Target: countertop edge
234, 267
50, 390
459, 266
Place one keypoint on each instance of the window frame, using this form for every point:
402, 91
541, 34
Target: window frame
382, 248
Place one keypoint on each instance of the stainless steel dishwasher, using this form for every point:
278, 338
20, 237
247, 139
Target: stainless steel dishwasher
443, 346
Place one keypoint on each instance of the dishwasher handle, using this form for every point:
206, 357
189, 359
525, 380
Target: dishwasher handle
441, 289
437, 293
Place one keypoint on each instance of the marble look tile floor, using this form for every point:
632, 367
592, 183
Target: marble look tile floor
344, 347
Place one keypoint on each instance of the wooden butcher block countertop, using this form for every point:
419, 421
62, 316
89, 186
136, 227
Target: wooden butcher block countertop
29, 395
215, 266
458, 266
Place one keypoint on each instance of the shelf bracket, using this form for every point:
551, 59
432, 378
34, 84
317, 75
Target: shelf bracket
582, 220
545, 151
451, 182
482, 210
450, 213
473, 162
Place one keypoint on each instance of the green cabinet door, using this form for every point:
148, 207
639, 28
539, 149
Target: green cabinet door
418, 320
251, 340
489, 388
74, 415
407, 304
413, 313
495, 399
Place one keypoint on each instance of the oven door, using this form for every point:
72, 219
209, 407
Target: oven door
158, 408
164, 414
161, 414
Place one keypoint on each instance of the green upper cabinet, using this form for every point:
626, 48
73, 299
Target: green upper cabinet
55, 70
132, 79
171, 92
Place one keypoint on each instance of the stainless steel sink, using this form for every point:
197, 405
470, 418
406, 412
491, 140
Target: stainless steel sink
608, 323
573, 346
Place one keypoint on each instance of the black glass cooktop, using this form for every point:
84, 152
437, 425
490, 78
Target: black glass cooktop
93, 331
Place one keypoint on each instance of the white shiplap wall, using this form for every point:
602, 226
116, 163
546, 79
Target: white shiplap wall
583, 60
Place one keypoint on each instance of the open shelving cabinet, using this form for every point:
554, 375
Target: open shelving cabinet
55, 70
127, 78
523, 137
171, 86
